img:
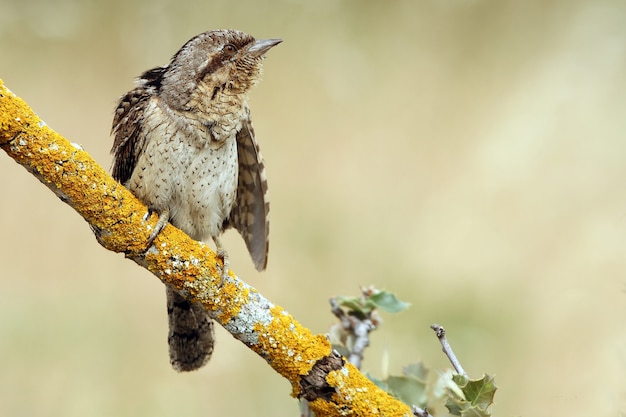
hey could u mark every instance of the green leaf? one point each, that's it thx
(356, 304)
(480, 392)
(454, 407)
(378, 382)
(383, 300)
(412, 388)
(477, 396)
(408, 390)
(417, 371)
(388, 301)
(475, 412)
(342, 350)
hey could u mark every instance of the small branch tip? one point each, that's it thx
(447, 349)
(419, 412)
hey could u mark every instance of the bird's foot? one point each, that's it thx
(223, 255)
(164, 218)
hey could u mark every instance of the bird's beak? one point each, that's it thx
(261, 46)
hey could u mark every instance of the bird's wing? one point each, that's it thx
(250, 214)
(129, 142)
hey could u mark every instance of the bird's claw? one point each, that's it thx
(223, 256)
(164, 218)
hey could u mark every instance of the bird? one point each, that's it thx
(185, 146)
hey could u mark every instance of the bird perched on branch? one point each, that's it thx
(185, 146)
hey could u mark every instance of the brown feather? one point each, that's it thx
(129, 139)
(250, 215)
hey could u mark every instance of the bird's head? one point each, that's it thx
(216, 62)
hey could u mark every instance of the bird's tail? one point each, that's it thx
(191, 336)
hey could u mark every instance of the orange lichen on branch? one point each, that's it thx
(191, 267)
(72, 175)
(291, 348)
(179, 258)
(362, 395)
(237, 295)
(14, 114)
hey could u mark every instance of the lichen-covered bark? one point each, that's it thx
(121, 224)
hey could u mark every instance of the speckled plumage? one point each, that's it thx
(185, 146)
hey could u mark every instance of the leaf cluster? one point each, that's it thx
(441, 393)
(372, 299)
(460, 395)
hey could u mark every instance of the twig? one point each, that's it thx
(420, 412)
(441, 335)
(358, 328)
(305, 410)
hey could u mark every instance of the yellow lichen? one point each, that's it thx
(69, 171)
(194, 269)
(365, 398)
(290, 348)
(230, 309)
(14, 113)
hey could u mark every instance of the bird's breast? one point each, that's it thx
(186, 171)
(207, 190)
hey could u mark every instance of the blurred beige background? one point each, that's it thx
(468, 155)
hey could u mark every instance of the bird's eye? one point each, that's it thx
(230, 48)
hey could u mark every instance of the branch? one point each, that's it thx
(420, 412)
(447, 349)
(122, 224)
(357, 329)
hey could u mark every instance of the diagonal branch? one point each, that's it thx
(121, 224)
